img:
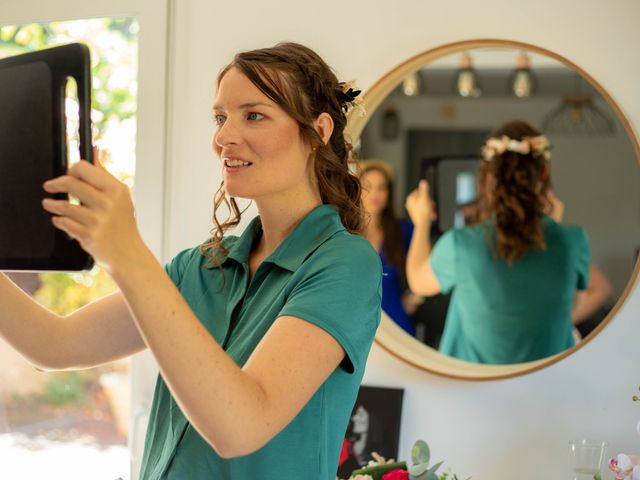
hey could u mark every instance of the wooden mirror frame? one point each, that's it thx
(390, 336)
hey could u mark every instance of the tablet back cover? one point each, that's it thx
(33, 149)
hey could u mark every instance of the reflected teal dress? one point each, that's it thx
(501, 314)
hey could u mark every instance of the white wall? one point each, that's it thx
(516, 428)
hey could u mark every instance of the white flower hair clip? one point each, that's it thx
(537, 146)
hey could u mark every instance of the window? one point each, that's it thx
(75, 423)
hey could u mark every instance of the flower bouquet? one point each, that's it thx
(381, 469)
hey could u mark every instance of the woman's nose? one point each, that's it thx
(227, 134)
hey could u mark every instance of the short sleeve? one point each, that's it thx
(176, 267)
(339, 290)
(443, 261)
(583, 258)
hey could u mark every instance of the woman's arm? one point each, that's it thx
(420, 275)
(588, 302)
(98, 333)
(237, 410)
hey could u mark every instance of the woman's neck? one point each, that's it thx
(280, 218)
(374, 224)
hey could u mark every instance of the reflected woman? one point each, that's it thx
(515, 275)
(390, 237)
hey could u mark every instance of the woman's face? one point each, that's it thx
(360, 420)
(259, 145)
(375, 191)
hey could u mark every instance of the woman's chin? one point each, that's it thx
(239, 193)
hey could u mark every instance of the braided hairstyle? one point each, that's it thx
(304, 86)
(513, 189)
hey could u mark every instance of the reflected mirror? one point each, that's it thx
(429, 119)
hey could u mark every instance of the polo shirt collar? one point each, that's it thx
(313, 230)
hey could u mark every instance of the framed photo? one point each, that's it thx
(374, 427)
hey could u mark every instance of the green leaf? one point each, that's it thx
(420, 452)
(433, 469)
(419, 469)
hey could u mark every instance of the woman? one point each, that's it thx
(390, 238)
(514, 276)
(260, 344)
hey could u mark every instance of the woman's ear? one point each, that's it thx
(324, 126)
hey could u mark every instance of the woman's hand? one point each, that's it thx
(104, 222)
(420, 206)
(557, 207)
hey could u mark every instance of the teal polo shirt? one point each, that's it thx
(320, 273)
(502, 313)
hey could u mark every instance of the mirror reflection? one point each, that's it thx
(525, 225)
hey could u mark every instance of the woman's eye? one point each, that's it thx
(218, 119)
(254, 116)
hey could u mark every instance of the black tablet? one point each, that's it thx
(33, 148)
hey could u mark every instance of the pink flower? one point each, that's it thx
(396, 475)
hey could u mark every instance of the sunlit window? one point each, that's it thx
(73, 425)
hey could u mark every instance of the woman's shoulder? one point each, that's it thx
(348, 249)
(567, 232)
(466, 234)
(202, 252)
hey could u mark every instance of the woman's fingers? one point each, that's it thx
(96, 156)
(419, 203)
(423, 187)
(77, 213)
(86, 193)
(95, 175)
(71, 228)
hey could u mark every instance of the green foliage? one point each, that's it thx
(420, 470)
(63, 293)
(449, 476)
(111, 42)
(420, 453)
(65, 388)
(377, 471)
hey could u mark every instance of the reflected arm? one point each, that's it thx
(420, 276)
(595, 296)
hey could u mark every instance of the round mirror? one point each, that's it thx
(429, 118)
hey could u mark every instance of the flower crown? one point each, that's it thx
(536, 146)
(348, 96)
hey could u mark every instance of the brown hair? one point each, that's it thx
(392, 246)
(512, 189)
(303, 85)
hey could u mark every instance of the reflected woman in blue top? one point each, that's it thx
(390, 237)
(515, 276)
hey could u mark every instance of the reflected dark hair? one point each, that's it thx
(299, 81)
(513, 190)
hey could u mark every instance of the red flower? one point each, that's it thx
(396, 475)
(345, 452)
